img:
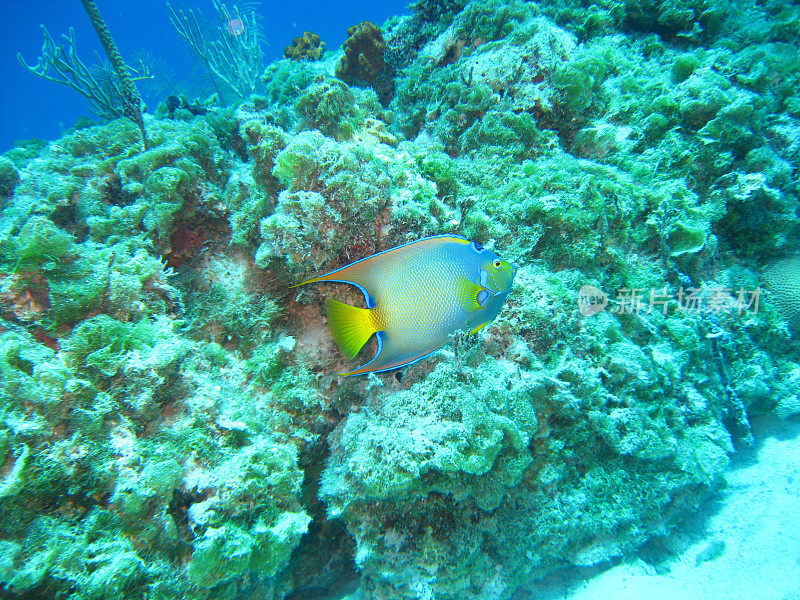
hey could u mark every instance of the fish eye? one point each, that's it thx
(497, 263)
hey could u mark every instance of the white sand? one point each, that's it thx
(757, 518)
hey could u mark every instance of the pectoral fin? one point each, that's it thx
(472, 295)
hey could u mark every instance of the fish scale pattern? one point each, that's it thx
(430, 309)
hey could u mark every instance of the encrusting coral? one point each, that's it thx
(171, 421)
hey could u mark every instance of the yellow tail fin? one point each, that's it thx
(351, 326)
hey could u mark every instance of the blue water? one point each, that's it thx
(35, 108)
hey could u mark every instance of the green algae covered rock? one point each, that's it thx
(325, 206)
(251, 494)
(464, 439)
(41, 243)
(166, 188)
(328, 107)
(98, 567)
(135, 495)
(684, 238)
(9, 177)
(227, 551)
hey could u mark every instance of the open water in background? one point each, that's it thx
(32, 107)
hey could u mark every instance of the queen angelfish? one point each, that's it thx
(417, 296)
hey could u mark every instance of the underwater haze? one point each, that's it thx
(459, 300)
(34, 108)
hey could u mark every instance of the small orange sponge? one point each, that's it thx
(308, 47)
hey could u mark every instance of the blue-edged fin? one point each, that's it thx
(350, 326)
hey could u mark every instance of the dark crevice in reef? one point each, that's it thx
(113, 193)
(44, 591)
(324, 562)
(178, 509)
(68, 219)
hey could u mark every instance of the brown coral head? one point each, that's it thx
(363, 54)
(308, 47)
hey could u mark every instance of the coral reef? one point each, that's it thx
(363, 54)
(305, 47)
(364, 61)
(171, 421)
